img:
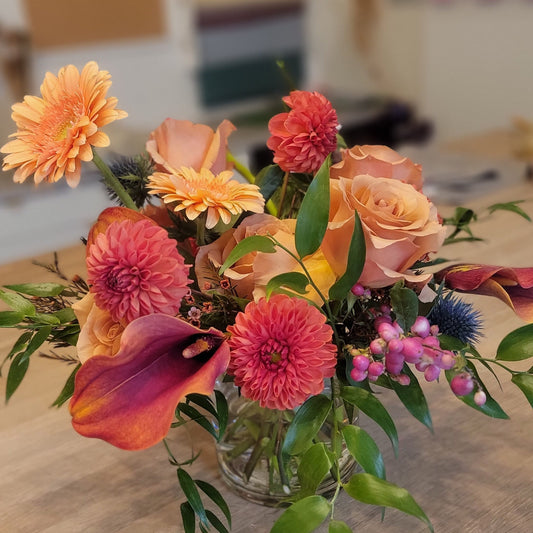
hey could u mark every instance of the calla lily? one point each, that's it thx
(129, 399)
(514, 286)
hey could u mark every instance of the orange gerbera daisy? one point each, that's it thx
(199, 192)
(56, 132)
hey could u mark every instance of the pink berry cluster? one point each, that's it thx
(420, 346)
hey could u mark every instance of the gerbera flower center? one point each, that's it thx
(59, 117)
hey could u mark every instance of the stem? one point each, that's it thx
(283, 192)
(334, 435)
(200, 230)
(113, 183)
(493, 361)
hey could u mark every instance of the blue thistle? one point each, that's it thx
(457, 318)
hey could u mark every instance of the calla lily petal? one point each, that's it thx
(514, 286)
(129, 399)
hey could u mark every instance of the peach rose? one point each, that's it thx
(252, 272)
(377, 161)
(180, 143)
(400, 224)
(100, 334)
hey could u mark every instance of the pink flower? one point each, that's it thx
(302, 138)
(134, 269)
(281, 351)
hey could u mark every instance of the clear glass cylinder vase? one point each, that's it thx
(249, 453)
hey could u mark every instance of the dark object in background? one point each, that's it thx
(394, 123)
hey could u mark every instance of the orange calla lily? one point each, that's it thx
(514, 286)
(129, 399)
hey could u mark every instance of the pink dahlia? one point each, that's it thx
(281, 351)
(134, 269)
(302, 138)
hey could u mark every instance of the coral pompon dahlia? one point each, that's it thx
(197, 192)
(281, 351)
(302, 138)
(56, 132)
(134, 269)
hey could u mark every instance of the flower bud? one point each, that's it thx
(421, 327)
(462, 384)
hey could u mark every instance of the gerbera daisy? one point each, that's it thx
(281, 351)
(56, 132)
(302, 138)
(199, 192)
(134, 269)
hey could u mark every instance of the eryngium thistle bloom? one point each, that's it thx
(457, 318)
(133, 173)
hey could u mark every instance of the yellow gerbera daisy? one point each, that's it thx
(197, 192)
(56, 132)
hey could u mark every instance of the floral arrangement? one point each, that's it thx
(296, 294)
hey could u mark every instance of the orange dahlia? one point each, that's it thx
(56, 132)
(199, 192)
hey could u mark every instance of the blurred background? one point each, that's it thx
(446, 82)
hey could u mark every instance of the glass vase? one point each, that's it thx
(249, 453)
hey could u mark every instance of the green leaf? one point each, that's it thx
(306, 424)
(217, 498)
(255, 243)
(38, 289)
(356, 262)
(20, 344)
(65, 315)
(8, 319)
(197, 417)
(192, 495)
(187, 517)
(510, 206)
(44, 318)
(365, 451)
(412, 396)
(525, 383)
(490, 408)
(269, 179)
(68, 389)
(304, 516)
(517, 345)
(17, 371)
(312, 220)
(313, 468)
(373, 408)
(37, 340)
(336, 526)
(215, 522)
(18, 303)
(404, 303)
(222, 410)
(367, 488)
(295, 281)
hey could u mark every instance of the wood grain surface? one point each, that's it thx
(473, 475)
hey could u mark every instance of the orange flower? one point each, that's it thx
(56, 132)
(197, 192)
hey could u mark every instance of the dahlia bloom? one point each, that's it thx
(134, 269)
(281, 351)
(302, 138)
(56, 132)
(198, 192)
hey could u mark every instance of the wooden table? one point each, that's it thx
(474, 474)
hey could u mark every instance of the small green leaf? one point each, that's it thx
(312, 220)
(524, 382)
(222, 411)
(373, 408)
(215, 522)
(18, 303)
(17, 371)
(20, 344)
(295, 281)
(68, 389)
(367, 488)
(510, 206)
(412, 396)
(197, 417)
(192, 495)
(356, 262)
(37, 340)
(304, 516)
(313, 468)
(336, 526)
(217, 498)
(305, 424)
(8, 319)
(404, 303)
(43, 318)
(202, 401)
(255, 243)
(269, 179)
(517, 345)
(65, 315)
(38, 289)
(187, 517)
(365, 451)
